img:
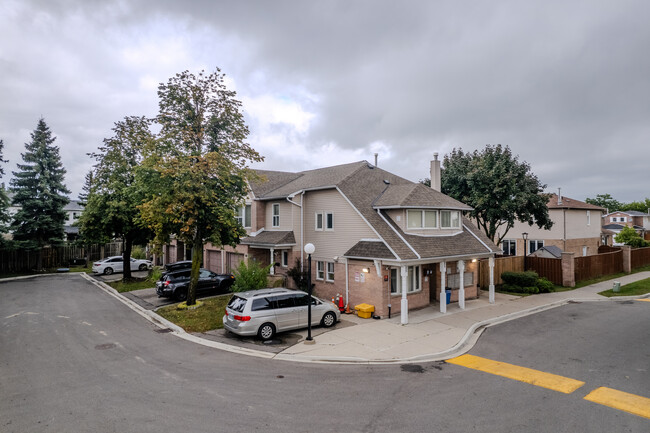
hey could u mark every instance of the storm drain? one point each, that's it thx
(163, 330)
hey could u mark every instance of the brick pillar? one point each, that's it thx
(568, 270)
(627, 259)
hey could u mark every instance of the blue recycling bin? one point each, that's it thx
(448, 293)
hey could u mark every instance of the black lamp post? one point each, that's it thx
(309, 249)
(525, 236)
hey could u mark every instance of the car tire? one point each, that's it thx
(108, 271)
(328, 320)
(180, 295)
(266, 331)
(142, 267)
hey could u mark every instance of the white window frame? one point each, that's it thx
(320, 270)
(510, 242)
(318, 225)
(329, 221)
(329, 276)
(414, 280)
(275, 218)
(539, 243)
(588, 218)
(422, 219)
(451, 219)
(244, 215)
(284, 258)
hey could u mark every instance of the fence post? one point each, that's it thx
(568, 270)
(627, 259)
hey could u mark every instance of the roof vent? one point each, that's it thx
(387, 182)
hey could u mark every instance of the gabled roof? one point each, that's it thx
(629, 212)
(571, 203)
(551, 249)
(370, 189)
(613, 227)
(416, 195)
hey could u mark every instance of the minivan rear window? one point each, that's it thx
(237, 304)
(261, 304)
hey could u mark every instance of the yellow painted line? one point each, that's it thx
(522, 374)
(644, 299)
(620, 400)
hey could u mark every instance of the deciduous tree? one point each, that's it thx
(40, 193)
(113, 195)
(499, 187)
(199, 167)
(605, 201)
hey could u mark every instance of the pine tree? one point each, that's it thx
(4, 200)
(86, 189)
(39, 192)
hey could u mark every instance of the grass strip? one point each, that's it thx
(206, 318)
(636, 288)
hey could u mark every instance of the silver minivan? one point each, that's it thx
(268, 311)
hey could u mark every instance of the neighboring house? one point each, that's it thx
(614, 222)
(379, 239)
(73, 210)
(576, 228)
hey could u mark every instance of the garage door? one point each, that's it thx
(214, 261)
(232, 261)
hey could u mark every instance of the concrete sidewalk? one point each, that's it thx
(431, 335)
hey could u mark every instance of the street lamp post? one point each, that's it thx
(524, 235)
(309, 249)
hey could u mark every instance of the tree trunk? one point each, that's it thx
(197, 259)
(126, 257)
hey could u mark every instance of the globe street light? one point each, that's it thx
(309, 249)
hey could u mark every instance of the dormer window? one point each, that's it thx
(418, 219)
(449, 219)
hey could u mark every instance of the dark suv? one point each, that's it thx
(176, 283)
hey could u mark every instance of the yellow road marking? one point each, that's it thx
(522, 374)
(620, 400)
(644, 299)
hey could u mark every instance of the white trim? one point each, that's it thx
(322, 225)
(366, 221)
(399, 235)
(479, 239)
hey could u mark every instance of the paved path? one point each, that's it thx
(429, 335)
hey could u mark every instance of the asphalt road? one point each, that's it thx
(74, 359)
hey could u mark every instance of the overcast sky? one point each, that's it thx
(565, 84)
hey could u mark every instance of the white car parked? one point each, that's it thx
(115, 264)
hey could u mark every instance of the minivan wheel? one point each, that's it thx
(180, 295)
(329, 319)
(266, 331)
(108, 271)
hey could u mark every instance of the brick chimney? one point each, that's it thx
(435, 172)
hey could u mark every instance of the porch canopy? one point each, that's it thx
(270, 240)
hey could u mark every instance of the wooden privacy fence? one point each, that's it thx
(20, 260)
(546, 267)
(589, 267)
(640, 257)
(501, 265)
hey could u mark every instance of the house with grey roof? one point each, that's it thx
(576, 229)
(379, 239)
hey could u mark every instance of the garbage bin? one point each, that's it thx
(448, 293)
(617, 286)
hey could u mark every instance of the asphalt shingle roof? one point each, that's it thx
(270, 238)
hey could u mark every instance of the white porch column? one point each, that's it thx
(405, 302)
(491, 280)
(272, 270)
(461, 279)
(443, 284)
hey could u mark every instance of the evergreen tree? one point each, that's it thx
(40, 193)
(86, 189)
(4, 201)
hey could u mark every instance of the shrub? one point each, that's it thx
(521, 279)
(299, 277)
(545, 286)
(138, 253)
(250, 277)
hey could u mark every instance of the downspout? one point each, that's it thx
(347, 283)
(564, 226)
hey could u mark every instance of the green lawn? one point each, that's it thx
(135, 284)
(633, 289)
(205, 318)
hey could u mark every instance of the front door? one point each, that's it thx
(433, 287)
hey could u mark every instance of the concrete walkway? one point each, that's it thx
(429, 335)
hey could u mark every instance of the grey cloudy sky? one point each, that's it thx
(565, 84)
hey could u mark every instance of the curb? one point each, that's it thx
(464, 345)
